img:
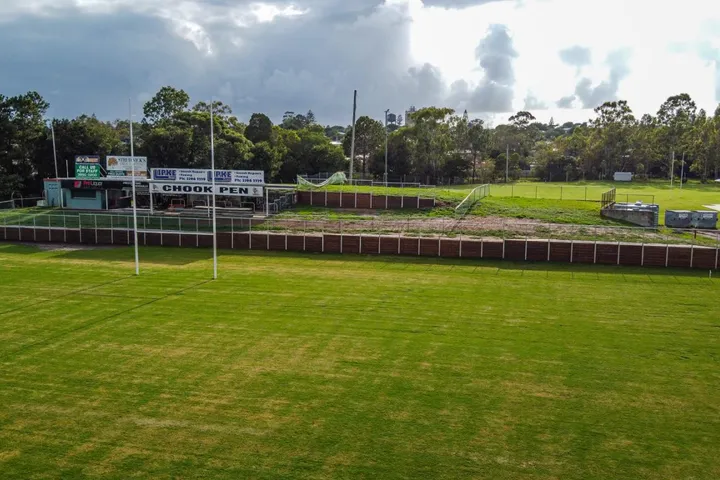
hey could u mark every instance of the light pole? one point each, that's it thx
(52, 132)
(352, 143)
(386, 147)
(507, 163)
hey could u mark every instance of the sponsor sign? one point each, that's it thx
(188, 175)
(87, 159)
(174, 188)
(118, 166)
(99, 184)
(87, 170)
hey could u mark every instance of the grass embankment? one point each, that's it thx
(324, 367)
(551, 211)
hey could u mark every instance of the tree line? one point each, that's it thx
(433, 143)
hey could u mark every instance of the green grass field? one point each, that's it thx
(552, 211)
(693, 196)
(326, 367)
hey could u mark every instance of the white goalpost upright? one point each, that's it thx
(212, 170)
(134, 200)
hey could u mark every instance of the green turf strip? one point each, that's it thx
(310, 366)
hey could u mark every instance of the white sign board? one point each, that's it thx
(176, 188)
(241, 177)
(118, 166)
(623, 177)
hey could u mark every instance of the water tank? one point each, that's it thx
(704, 219)
(678, 218)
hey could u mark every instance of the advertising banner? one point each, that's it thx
(87, 159)
(99, 184)
(87, 170)
(175, 188)
(241, 177)
(122, 166)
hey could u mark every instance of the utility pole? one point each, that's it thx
(352, 143)
(672, 170)
(52, 131)
(507, 163)
(682, 170)
(386, 148)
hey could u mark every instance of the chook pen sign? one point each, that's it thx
(241, 177)
(175, 188)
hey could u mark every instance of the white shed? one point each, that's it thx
(623, 177)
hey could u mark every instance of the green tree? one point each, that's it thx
(259, 129)
(612, 128)
(478, 142)
(675, 120)
(166, 103)
(432, 139)
(219, 108)
(369, 136)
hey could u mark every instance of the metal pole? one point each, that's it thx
(386, 150)
(212, 168)
(672, 170)
(134, 203)
(682, 170)
(52, 131)
(352, 143)
(507, 163)
(267, 200)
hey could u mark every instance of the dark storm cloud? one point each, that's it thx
(85, 66)
(93, 63)
(576, 56)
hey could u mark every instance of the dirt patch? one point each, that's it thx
(64, 247)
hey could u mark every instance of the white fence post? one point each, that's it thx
(549, 246)
(692, 253)
(595, 253)
(642, 256)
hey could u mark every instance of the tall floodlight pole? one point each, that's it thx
(682, 170)
(52, 132)
(212, 172)
(57, 175)
(386, 148)
(672, 170)
(134, 202)
(352, 142)
(507, 163)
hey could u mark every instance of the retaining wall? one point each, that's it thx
(362, 200)
(643, 219)
(561, 251)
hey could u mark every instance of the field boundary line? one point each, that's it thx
(92, 323)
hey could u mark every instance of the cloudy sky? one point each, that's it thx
(557, 58)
